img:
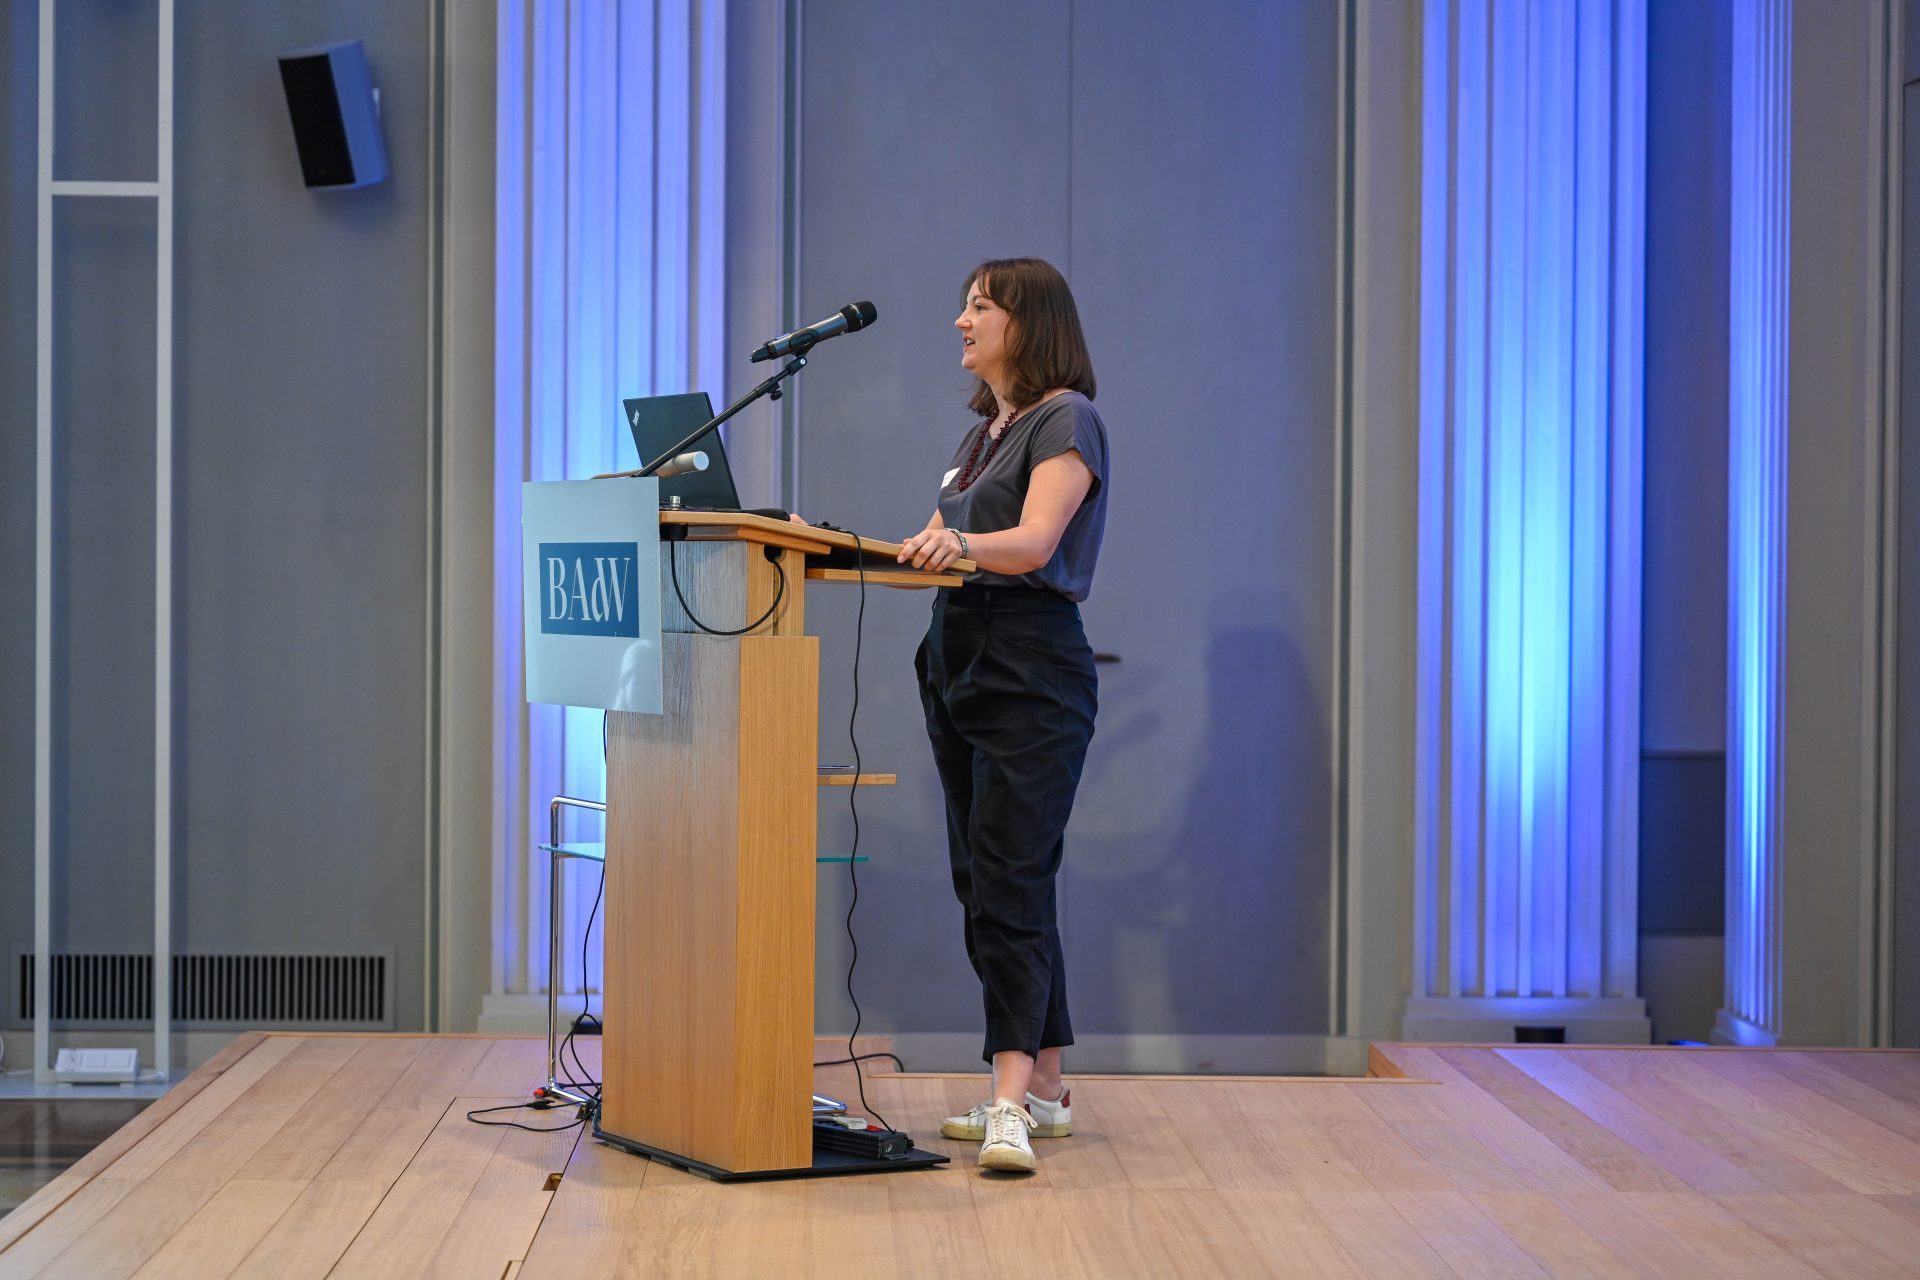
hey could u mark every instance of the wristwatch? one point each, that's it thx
(963, 544)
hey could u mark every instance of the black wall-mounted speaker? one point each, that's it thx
(336, 115)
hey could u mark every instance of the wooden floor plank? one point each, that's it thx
(1378, 1151)
(1728, 1247)
(1291, 1239)
(310, 1237)
(1785, 1130)
(497, 1223)
(936, 1226)
(1815, 1241)
(512, 1068)
(1086, 1161)
(1254, 1162)
(1892, 1160)
(1821, 1072)
(1594, 1145)
(164, 1141)
(1449, 1148)
(1155, 1154)
(1646, 1245)
(1664, 1088)
(1468, 1240)
(80, 1210)
(581, 1234)
(1506, 1163)
(1690, 1163)
(1011, 1217)
(1167, 1233)
(251, 1120)
(1895, 1074)
(1373, 1234)
(1549, 1236)
(769, 1223)
(849, 1237)
(381, 1145)
(218, 1238)
(1868, 1220)
(1293, 1133)
(1908, 1206)
(131, 1232)
(1542, 1164)
(419, 1210)
(301, 1147)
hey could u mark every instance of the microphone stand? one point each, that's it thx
(770, 388)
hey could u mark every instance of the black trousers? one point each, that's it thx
(1008, 686)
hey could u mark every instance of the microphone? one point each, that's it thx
(849, 319)
(681, 463)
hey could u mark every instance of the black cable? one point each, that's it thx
(853, 858)
(863, 1057)
(515, 1124)
(779, 594)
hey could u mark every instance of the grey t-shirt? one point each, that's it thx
(995, 498)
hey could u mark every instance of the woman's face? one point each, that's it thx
(983, 334)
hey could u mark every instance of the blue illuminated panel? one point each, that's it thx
(1532, 280)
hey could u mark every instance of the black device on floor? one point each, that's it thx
(873, 1143)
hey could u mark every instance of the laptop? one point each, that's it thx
(660, 422)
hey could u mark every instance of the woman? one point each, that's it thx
(1006, 676)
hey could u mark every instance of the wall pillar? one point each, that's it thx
(1810, 771)
(1526, 823)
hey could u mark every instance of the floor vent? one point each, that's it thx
(218, 992)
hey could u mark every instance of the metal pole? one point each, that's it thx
(163, 569)
(554, 1089)
(43, 577)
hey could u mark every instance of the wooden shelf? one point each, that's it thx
(888, 577)
(866, 779)
(810, 539)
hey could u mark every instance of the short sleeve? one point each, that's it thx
(1077, 426)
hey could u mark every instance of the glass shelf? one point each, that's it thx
(598, 853)
(591, 852)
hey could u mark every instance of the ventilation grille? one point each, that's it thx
(217, 992)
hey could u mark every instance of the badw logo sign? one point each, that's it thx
(587, 588)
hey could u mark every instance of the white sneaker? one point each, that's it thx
(1006, 1145)
(1050, 1119)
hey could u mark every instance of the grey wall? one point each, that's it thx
(1829, 841)
(301, 496)
(1179, 165)
(1906, 878)
(1684, 618)
(17, 48)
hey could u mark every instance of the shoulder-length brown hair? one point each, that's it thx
(1045, 347)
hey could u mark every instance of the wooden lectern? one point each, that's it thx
(708, 1048)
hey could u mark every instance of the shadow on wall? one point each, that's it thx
(1215, 923)
(1194, 898)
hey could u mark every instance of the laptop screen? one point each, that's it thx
(659, 423)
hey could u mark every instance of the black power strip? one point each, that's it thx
(872, 1143)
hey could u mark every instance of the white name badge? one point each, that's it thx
(947, 479)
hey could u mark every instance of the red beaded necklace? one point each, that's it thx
(968, 473)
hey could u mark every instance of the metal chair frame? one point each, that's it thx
(556, 854)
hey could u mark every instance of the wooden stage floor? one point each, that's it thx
(296, 1155)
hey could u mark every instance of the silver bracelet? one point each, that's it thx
(963, 544)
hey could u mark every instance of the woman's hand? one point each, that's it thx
(932, 549)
